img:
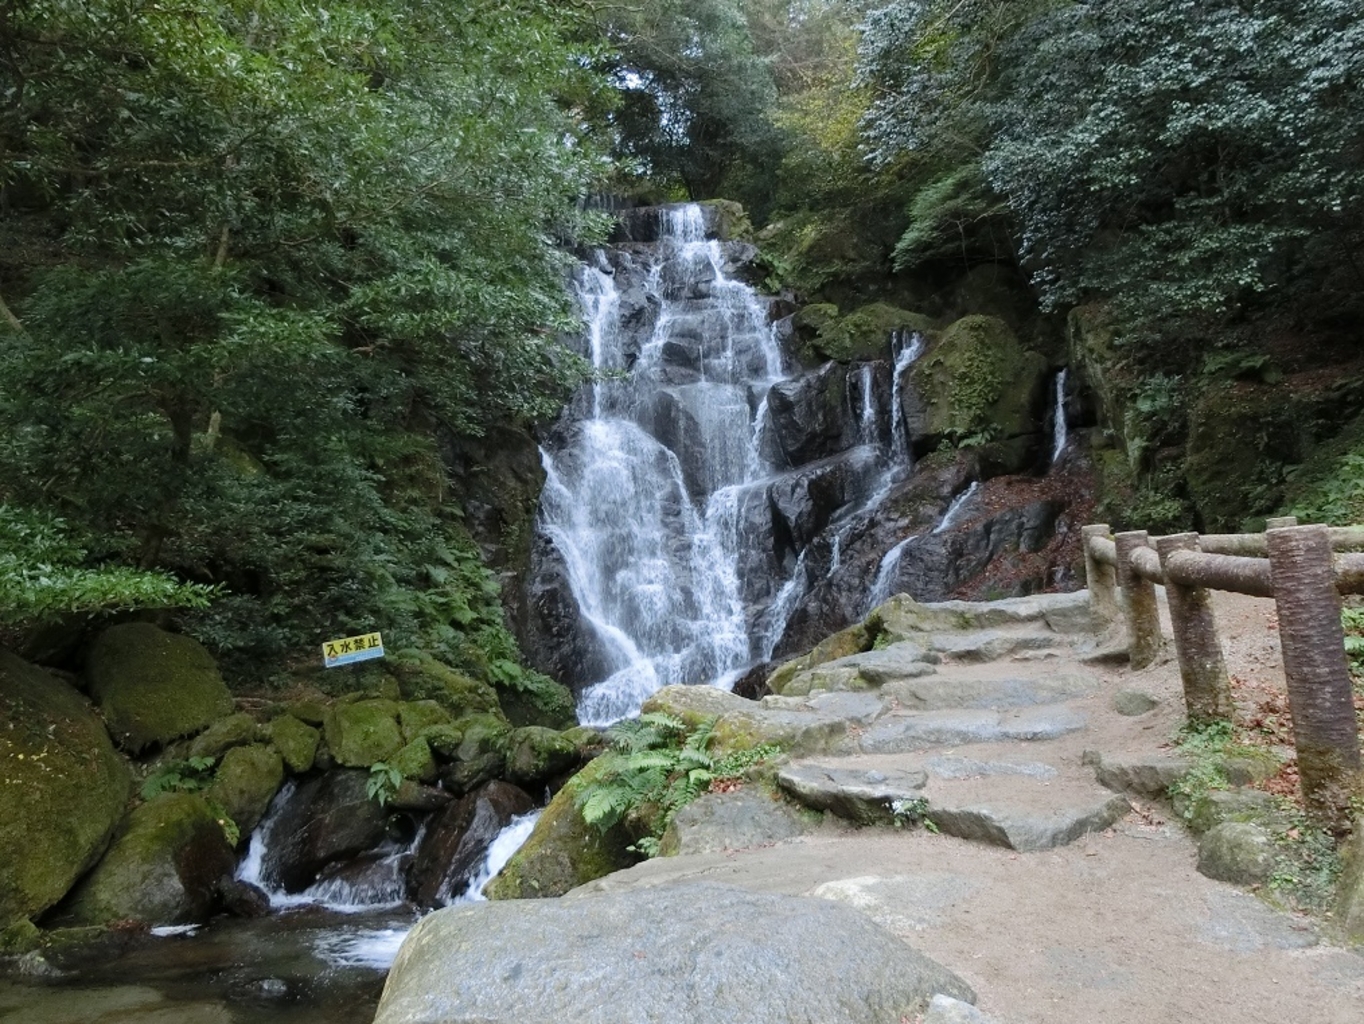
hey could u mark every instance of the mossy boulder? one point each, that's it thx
(853, 640)
(246, 781)
(536, 755)
(1241, 435)
(421, 678)
(63, 788)
(727, 220)
(444, 740)
(415, 761)
(295, 741)
(976, 382)
(163, 867)
(363, 732)
(542, 702)
(414, 717)
(482, 734)
(152, 686)
(564, 851)
(233, 731)
(863, 334)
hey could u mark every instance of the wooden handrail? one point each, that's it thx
(1305, 570)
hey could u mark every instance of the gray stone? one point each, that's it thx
(946, 1010)
(1014, 692)
(1132, 703)
(865, 671)
(902, 903)
(898, 733)
(1148, 776)
(1061, 613)
(686, 952)
(743, 724)
(739, 820)
(862, 708)
(1025, 827)
(864, 796)
(988, 644)
(1217, 806)
(969, 768)
(1236, 852)
(1243, 923)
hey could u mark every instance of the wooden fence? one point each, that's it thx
(1305, 570)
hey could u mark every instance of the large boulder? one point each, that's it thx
(808, 417)
(362, 733)
(743, 724)
(563, 851)
(536, 755)
(163, 867)
(976, 381)
(457, 839)
(246, 781)
(674, 953)
(63, 788)
(324, 820)
(295, 740)
(152, 686)
(863, 334)
(422, 678)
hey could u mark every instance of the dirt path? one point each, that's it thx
(1117, 927)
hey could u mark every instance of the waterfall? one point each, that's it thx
(907, 346)
(642, 495)
(956, 508)
(1059, 423)
(500, 850)
(886, 573)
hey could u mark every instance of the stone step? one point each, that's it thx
(1018, 804)
(899, 732)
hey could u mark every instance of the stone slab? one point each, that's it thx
(899, 733)
(866, 796)
(1035, 824)
(945, 691)
(742, 819)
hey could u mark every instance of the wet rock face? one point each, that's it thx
(457, 839)
(325, 820)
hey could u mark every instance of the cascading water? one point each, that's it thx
(957, 508)
(642, 501)
(1059, 435)
(886, 573)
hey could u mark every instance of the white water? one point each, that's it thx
(886, 573)
(957, 508)
(500, 850)
(349, 946)
(908, 346)
(649, 531)
(1059, 435)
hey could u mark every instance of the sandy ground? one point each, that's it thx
(1118, 927)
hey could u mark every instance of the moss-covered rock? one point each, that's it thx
(1350, 899)
(853, 640)
(63, 788)
(444, 740)
(415, 761)
(363, 732)
(544, 702)
(482, 734)
(162, 868)
(295, 741)
(415, 716)
(310, 710)
(152, 686)
(727, 220)
(1240, 437)
(976, 382)
(535, 755)
(233, 731)
(863, 334)
(564, 851)
(19, 937)
(246, 781)
(421, 677)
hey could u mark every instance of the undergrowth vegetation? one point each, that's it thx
(656, 765)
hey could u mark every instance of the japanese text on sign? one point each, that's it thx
(352, 649)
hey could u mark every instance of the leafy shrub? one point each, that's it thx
(188, 776)
(383, 782)
(655, 767)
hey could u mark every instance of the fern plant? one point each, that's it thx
(188, 776)
(655, 766)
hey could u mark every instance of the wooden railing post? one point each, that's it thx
(1207, 691)
(1280, 522)
(1319, 693)
(1139, 599)
(1102, 583)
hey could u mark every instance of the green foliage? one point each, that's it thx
(1308, 865)
(655, 767)
(1352, 622)
(383, 782)
(45, 574)
(187, 776)
(263, 268)
(1207, 746)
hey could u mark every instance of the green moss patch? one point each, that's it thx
(152, 686)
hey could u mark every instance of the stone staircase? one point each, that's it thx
(974, 720)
